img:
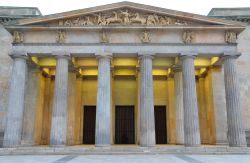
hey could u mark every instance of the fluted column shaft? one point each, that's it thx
(236, 131)
(103, 108)
(179, 105)
(147, 122)
(13, 129)
(60, 103)
(191, 119)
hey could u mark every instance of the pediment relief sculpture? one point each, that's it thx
(122, 17)
(187, 37)
(230, 37)
(61, 36)
(17, 37)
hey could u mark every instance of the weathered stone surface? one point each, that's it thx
(29, 115)
(5, 73)
(219, 105)
(236, 130)
(103, 101)
(191, 119)
(13, 129)
(178, 86)
(147, 125)
(60, 105)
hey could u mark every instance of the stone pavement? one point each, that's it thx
(126, 158)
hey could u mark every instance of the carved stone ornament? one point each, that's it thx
(104, 37)
(61, 36)
(230, 37)
(187, 37)
(145, 37)
(17, 37)
(121, 17)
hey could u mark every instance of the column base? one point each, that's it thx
(57, 146)
(103, 145)
(147, 145)
(26, 143)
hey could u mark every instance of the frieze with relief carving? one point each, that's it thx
(17, 37)
(61, 36)
(122, 17)
(230, 37)
(187, 37)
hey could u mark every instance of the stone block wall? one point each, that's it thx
(5, 72)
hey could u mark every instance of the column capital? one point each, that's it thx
(184, 55)
(61, 54)
(234, 55)
(18, 54)
(145, 55)
(100, 55)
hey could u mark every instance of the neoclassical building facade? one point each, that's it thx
(124, 73)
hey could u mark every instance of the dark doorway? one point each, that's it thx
(124, 125)
(89, 125)
(160, 125)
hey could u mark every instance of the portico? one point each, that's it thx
(83, 60)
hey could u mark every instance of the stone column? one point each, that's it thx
(13, 130)
(191, 119)
(147, 122)
(60, 103)
(217, 87)
(30, 103)
(179, 105)
(236, 131)
(103, 107)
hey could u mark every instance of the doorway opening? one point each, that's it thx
(89, 125)
(160, 124)
(124, 125)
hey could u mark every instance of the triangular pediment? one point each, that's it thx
(124, 13)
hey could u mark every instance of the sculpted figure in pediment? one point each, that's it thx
(101, 20)
(122, 17)
(151, 20)
(76, 21)
(156, 17)
(138, 19)
(126, 17)
(114, 19)
(68, 23)
(88, 21)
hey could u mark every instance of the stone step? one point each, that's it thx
(81, 150)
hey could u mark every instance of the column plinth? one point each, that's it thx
(236, 130)
(103, 107)
(60, 103)
(13, 130)
(191, 119)
(147, 122)
(179, 105)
